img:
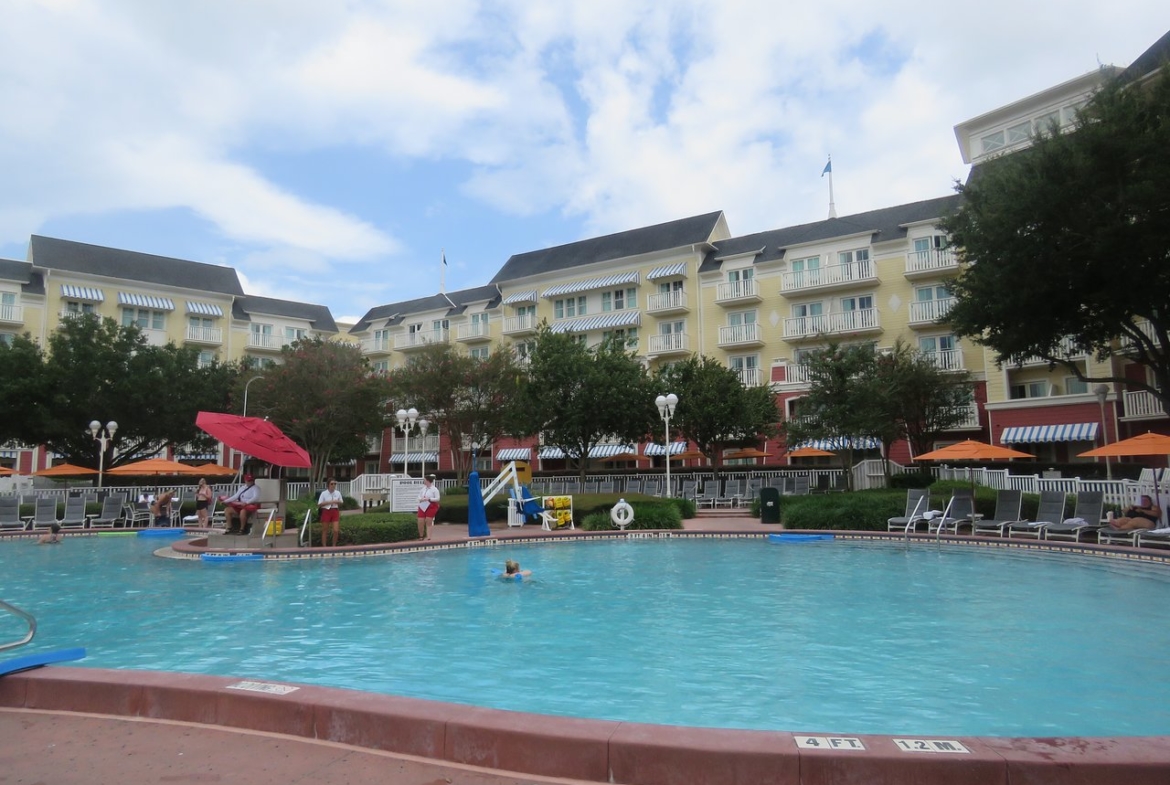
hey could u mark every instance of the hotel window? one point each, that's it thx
(381, 337)
(930, 344)
(735, 276)
(206, 358)
(747, 367)
(1028, 390)
(741, 318)
(992, 142)
(925, 294)
(294, 334)
(569, 307)
(381, 366)
(806, 272)
(261, 329)
(145, 318)
(438, 325)
(1019, 132)
(72, 306)
(666, 287)
(672, 328)
(619, 299)
(862, 303)
(6, 338)
(200, 323)
(480, 352)
(1043, 123)
(1075, 386)
(523, 350)
(629, 336)
(480, 321)
(854, 259)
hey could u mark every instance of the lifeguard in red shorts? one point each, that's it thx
(329, 503)
(241, 504)
(428, 507)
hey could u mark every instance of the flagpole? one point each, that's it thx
(832, 205)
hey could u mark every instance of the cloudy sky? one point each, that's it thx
(331, 150)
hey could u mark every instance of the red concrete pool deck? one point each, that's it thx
(79, 725)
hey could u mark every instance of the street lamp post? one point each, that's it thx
(246, 386)
(666, 404)
(1102, 391)
(422, 453)
(103, 436)
(407, 421)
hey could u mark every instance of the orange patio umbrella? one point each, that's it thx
(689, 455)
(622, 456)
(747, 452)
(159, 466)
(5, 471)
(810, 452)
(66, 470)
(216, 470)
(972, 450)
(1146, 444)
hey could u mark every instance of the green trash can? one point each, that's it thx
(769, 505)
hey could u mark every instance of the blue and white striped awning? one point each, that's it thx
(1035, 434)
(843, 442)
(414, 457)
(520, 297)
(605, 321)
(9, 453)
(204, 309)
(82, 293)
(598, 451)
(669, 271)
(146, 301)
(514, 454)
(590, 284)
(657, 449)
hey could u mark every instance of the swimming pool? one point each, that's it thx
(843, 637)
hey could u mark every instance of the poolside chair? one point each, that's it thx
(688, 489)
(753, 487)
(708, 496)
(45, 513)
(1152, 537)
(1051, 510)
(572, 487)
(959, 512)
(652, 488)
(113, 510)
(1008, 503)
(591, 486)
(800, 485)
(732, 494)
(606, 486)
(10, 514)
(74, 517)
(1086, 518)
(634, 485)
(917, 505)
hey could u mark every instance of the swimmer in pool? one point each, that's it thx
(512, 570)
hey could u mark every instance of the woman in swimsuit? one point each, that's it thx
(1144, 515)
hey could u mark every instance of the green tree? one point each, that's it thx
(324, 396)
(1070, 239)
(98, 369)
(844, 401)
(922, 402)
(578, 397)
(469, 399)
(715, 410)
(23, 391)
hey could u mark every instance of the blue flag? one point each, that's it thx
(828, 168)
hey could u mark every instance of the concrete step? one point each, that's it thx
(251, 541)
(724, 512)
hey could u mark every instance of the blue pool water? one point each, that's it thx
(831, 637)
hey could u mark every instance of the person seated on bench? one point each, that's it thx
(1143, 515)
(241, 504)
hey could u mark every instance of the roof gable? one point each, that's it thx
(318, 316)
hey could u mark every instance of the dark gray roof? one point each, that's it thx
(31, 282)
(885, 224)
(69, 256)
(673, 234)
(455, 303)
(1149, 60)
(317, 315)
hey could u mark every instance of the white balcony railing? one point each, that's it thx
(379, 345)
(970, 419)
(669, 344)
(739, 334)
(947, 359)
(749, 377)
(934, 260)
(524, 323)
(65, 313)
(930, 311)
(1141, 404)
(420, 339)
(12, 313)
(1066, 348)
(830, 275)
(272, 343)
(796, 374)
(667, 301)
(204, 334)
(737, 291)
(475, 331)
(830, 323)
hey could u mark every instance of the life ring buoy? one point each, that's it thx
(622, 514)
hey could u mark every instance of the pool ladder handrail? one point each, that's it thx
(912, 521)
(938, 531)
(305, 527)
(32, 626)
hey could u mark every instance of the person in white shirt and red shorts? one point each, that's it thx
(428, 507)
(329, 503)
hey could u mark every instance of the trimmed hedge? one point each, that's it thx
(659, 514)
(372, 529)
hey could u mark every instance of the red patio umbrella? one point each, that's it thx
(258, 438)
